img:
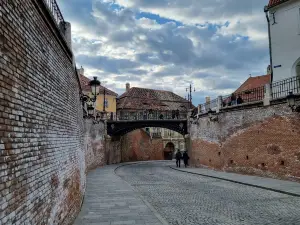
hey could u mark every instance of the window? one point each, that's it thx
(106, 103)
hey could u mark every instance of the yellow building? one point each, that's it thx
(109, 101)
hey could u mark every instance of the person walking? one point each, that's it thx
(185, 158)
(178, 158)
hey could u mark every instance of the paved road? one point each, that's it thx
(187, 199)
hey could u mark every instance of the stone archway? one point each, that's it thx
(169, 151)
(296, 73)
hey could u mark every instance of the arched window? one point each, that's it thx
(298, 69)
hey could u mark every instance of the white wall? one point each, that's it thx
(285, 39)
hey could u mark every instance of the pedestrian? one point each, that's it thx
(177, 114)
(239, 100)
(233, 99)
(173, 114)
(161, 117)
(178, 158)
(185, 158)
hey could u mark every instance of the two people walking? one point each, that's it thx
(185, 158)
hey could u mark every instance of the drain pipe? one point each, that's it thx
(266, 10)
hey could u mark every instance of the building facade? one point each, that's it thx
(106, 102)
(141, 103)
(284, 22)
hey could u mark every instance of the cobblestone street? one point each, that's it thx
(187, 199)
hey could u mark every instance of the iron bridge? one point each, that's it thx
(120, 128)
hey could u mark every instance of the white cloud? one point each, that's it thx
(214, 43)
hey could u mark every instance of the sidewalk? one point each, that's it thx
(281, 186)
(110, 201)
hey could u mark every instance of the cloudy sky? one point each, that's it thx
(168, 44)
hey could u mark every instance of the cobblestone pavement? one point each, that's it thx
(187, 199)
(109, 200)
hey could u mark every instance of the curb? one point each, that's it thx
(239, 182)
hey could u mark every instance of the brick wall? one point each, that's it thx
(259, 140)
(138, 146)
(42, 161)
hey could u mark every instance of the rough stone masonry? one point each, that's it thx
(42, 161)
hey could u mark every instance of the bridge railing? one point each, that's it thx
(152, 116)
(56, 13)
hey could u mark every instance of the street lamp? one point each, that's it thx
(95, 85)
(90, 110)
(190, 98)
(291, 99)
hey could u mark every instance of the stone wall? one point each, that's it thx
(42, 161)
(138, 146)
(94, 144)
(258, 140)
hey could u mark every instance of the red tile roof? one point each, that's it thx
(254, 82)
(142, 98)
(84, 82)
(273, 3)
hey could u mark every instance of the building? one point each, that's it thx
(284, 33)
(142, 103)
(105, 97)
(172, 141)
(254, 82)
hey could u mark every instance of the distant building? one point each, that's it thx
(254, 82)
(140, 103)
(110, 101)
(284, 23)
(172, 140)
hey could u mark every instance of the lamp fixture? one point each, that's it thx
(291, 100)
(95, 85)
(90, 110)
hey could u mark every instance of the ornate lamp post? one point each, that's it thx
(291, 99)
(95, 85)
(190, 98)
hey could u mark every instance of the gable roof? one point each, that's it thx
(254, 82)
(273, 3)
(84, 82)
(143, 99)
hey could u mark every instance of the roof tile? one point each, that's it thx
(142, 98)
(273, 3)
(254, 82)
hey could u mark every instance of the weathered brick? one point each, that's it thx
(259, 140)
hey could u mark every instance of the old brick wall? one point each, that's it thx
(112, 150)
(259, 140)
(42, 162)
(94, 144)
(138, 146)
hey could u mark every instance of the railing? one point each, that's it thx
(156, 135)
(281, 89)
(156, 115)
(55, 11)
(212, 105)
(248, 96)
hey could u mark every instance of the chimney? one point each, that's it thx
(207, 99)
(127, 87)
(80, 71)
